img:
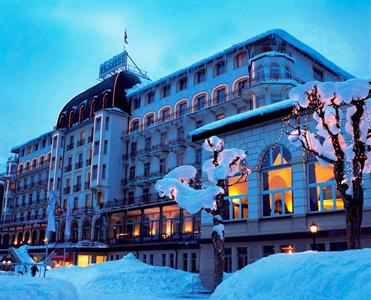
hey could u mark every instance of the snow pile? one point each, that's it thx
(28, 288)
(127, 276)
(306, 275)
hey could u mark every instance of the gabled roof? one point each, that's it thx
(278, 32)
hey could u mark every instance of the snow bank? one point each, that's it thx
(28, 288)
(306, 275)
(127, 276)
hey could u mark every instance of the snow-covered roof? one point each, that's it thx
(240, 120)
(16, 148)
(279, 32)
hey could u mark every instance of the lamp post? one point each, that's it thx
(314, 229)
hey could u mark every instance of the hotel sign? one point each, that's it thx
(113, 64)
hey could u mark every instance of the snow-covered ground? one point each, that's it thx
(128, 278)
(35, 288)
(307, 275)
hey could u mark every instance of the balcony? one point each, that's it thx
(80, 142)
(69, 147)
(67, 190)
(179, 142)
(161, 148)
(79, 165)
(68, 168)
(269, 78)
(77, 188)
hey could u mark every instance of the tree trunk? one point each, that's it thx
(218, 241)
(353, 213)
(218, 244)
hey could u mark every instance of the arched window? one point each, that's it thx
(74, 231)
(105, 100)
(165, 114)
(42, 239)
(42, 160)
(27, 237)
(70, 120)
(220, 95)
(27, 165)
(274, 71)
(277, 182)
(181, 108)
(20, 238)
(20, 168)
(34, 163)
(149, 120)
(92, 107)
(34, 237)
(81, 113)
(199, 102)
(62, 121)
(5, 241)
(98, 230)
(239, 87)
(86, 230)
(259, 73)
(134, 126)
(323, 195)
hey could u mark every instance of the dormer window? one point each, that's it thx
(200, 76)
(182, 84)
(136, 102)
(219, 68)
(165, 91)
(240, 60)
(150, 97)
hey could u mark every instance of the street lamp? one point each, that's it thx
(314, 229)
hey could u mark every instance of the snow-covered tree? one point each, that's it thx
(181, 185)
(343, 141)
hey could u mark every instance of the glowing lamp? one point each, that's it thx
(313, 228)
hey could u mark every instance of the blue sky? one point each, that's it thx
(51, 51)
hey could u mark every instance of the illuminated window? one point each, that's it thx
(277, 183)
(237, 197)
(83, 260)
(323, 195)
(100, 259)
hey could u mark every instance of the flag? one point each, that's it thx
(67, 230)
(126, 38)
(50, 212)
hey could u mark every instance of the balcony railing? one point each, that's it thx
(214, 101)
(78, 165)
(77, 188)
(80, 142)
(68, 168)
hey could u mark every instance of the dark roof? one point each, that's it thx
(115, 86)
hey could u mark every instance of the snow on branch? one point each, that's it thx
(328, 143)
